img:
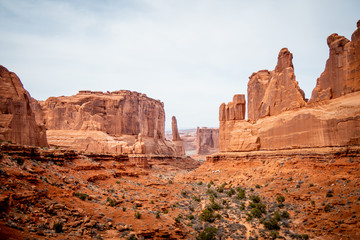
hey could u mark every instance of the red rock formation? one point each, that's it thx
(17, 120)
(292, 123)
(342, 70)
(116, 113)
(207, 140)
(175, 131)
(234, 110)
(270, 93)
(105, 122)
(177, 141)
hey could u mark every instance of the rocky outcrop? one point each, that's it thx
(234, 110)
(270, 93)
(342, 71)
(331, 119)
(107, 122)
(176, 140)
(207, 140)
(116, 113)
(334, 123)
(17, 120)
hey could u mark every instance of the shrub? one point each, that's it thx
(311, 185)
(207, 215)
(170, 181)
(197, 198)
(241, 194)
(82, 196)
(211, 193)
(111, 202)
(260, 206)
(184, 193)
(242, 206)
(132, 237)
(271, 224)
(165, 211)
(231, 192)
(178, 218)
(221, 188)
(137, 215)
(255, 198)
(280, 199)
(124, 209)
(328, 207)
(209, 233)
(200, 183)
(255, 212)
(214, 206)
(257, 186)
(191, 217)
(157, 215)
(58, 227)
(285, 215)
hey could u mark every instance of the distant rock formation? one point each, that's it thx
(207, 140)
(270, 93)
(177, 141)
(175, 131)
(17, 120)
(290, 121)
(342, 70)
(106, 122)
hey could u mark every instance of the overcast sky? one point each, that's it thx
(192, 55)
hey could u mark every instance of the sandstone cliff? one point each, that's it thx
(342, 70)
(270, 93)
(332, 118)
(104, 122)
(17, 120)
(207, 140)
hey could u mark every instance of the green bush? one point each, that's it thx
(191, 217)
(197, 198)
(242, 206)
(209, 233)
(111, 202)
(157, 215)
(82, 196)
(280, 199)
(255, 198)
(207, 215)
(257, 186)
(137, 215)
(200, 183)
(132, 237)
(255, 212)
(231, 192)
(271, 224)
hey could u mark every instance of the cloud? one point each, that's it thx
(192, 55)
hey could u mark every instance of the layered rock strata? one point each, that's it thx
(107, 122)
(17, 120)
(279, 117)
(207, 140)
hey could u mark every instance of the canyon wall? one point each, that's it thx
(107, 122)
(207, 140)
(279, 116)
(17, 120)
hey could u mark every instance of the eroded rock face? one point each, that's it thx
(234, 110)
(342, 70)
(17, 120)
(270, 93)
(292, 123)
(116, 113)
(207, 140)
(105, 122)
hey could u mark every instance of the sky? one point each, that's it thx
(192, 55)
